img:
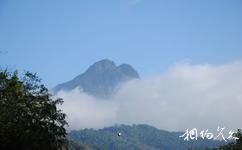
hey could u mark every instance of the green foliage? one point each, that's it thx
(138, 137)
(236, 145)
(29, 118)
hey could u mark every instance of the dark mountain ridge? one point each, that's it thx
(101, 79)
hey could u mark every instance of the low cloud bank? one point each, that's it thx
(186, 96)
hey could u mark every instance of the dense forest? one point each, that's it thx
(138, 137)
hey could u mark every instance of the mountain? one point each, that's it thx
(101, 79)
(138, 137)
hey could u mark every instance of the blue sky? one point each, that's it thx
(59, 39)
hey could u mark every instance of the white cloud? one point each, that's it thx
(85, 111)
(201, 96)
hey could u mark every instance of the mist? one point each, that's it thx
(202, 96)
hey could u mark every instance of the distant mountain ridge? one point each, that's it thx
(138, 137)
(101, 79)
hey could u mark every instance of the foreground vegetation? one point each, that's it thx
(236, 145)
(29, 118)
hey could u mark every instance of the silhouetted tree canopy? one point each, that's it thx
(29, 117)
(236, 145)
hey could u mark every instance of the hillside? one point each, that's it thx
(137, 137)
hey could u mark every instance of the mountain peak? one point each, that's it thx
(102, 65)
(101, 79)
(128, 70)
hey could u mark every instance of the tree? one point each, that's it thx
(29, 117)
(236, 145)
